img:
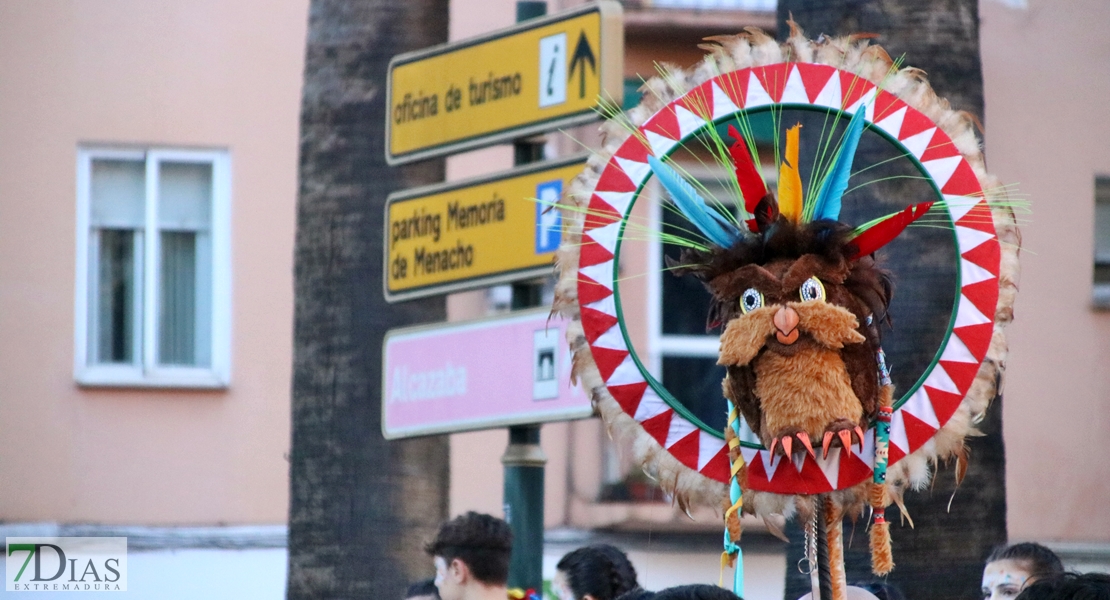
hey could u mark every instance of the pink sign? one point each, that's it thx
(508, 370)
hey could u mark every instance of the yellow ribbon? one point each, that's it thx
(737, 464)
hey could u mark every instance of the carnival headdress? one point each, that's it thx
(814, 424)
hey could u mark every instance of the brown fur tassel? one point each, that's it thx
(882, 559)
(834, 535)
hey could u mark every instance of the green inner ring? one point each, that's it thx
(665, 395)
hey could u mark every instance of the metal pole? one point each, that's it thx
(528, 151)
(824, 573)
(524, 470)
(524, 460)
(530, 9)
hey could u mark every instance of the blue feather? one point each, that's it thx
(827, 205)
(715, 227)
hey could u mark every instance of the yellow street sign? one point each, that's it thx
(538, 76)
(455, 236)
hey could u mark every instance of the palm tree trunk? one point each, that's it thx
(360, 507)
(942, 557)
(939, 36)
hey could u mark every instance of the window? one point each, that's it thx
(1102, 243)
(153, 268)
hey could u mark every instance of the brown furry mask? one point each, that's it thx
(800, 332)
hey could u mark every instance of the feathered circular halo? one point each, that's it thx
(751, 72)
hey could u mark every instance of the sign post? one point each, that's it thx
(524, 462)
(545, 73)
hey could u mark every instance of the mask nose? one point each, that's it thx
(786, 321)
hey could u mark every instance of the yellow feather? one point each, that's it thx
(790, 180)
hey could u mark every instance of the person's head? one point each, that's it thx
(1069, 586)
(596, 572)
(471, 550)
(423, 590)
(1011, 568)
(698, 591)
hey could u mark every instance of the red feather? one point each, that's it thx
(881, 233)
(747, 175)
(766, 212)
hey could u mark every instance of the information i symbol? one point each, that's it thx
(553, 70)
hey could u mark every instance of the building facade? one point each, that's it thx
(145, 351)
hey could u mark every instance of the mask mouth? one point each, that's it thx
(802, 343)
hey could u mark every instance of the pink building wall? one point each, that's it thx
(141, 73)
(1048, 131)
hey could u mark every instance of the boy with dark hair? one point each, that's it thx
(471, 554)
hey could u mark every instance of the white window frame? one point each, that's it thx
(148, 373)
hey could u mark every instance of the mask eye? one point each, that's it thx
(750, 300)
(812, 289)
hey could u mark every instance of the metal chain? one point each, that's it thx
(809, 561)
